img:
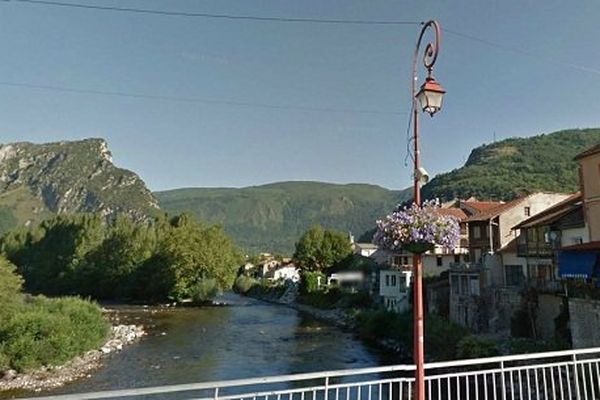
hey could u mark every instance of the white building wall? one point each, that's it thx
(393, 289)
(537, 203)
(573, 236)
(287, 273)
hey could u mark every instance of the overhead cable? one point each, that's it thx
(216, 16)
(197, 100)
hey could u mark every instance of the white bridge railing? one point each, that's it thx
(565, 375)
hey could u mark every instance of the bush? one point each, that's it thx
(267, 289)
(476, 347)
(204, 291)
(441, 336)
(360, 299)
(50, 332)
(244, 283)
(322, 299)
(309, 281)
(524, 345)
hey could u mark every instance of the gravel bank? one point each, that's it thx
(80, 367)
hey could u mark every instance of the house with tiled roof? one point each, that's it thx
(473, 206)
(542, 237)
(492, 229)
(492, 240)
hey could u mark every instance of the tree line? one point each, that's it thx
(168, 259)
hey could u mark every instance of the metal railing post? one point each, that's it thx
(216, 396)
(326, 388)
(576, 377)
(503, 380)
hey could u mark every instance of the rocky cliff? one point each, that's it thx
(38, 180)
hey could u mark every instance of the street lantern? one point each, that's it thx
(429, 100)
(430, 96)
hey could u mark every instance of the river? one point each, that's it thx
(248, 338)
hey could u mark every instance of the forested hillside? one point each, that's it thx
(506, 169)
(272, 217)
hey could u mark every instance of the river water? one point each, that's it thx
(248, 338)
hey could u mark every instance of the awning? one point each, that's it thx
(577, 264)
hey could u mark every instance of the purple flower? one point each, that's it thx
(417, 224)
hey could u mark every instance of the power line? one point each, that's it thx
(197, 100)
(216, 16)
(522, 52)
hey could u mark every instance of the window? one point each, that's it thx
(454, 284)
(476, 232)
(397, 260)
(393, 280)
(514, 275)
(527, 211)
(438, 261)
(405, 260)
(463, 229)
(474, 285)
(457, 258)
(464, 285)
(387, 280)
(484, 232)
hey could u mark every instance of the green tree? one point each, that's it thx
(10, 288)
(319, 249)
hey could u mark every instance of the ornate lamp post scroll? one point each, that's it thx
(428, 99)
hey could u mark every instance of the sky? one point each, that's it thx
(232, 103)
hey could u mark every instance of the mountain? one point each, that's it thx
(272, 217)
(39, 180)
(506, 169)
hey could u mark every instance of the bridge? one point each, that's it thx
(564, 375)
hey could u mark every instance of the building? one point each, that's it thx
(485, 291)
(589, 178)
(394, 284)
(364, 249)
(492, 229)
(541, 238)
(285, 272)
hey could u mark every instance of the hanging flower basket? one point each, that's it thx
(417, 229)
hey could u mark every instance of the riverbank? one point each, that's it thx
(345, 319)
(50, 377)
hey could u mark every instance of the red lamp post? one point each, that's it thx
(429, 100)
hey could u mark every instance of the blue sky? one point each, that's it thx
(535, 70)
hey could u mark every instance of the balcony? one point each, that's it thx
(466, 267)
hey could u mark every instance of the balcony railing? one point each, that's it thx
(466, 267)
(565, 375)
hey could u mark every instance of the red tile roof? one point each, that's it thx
(495, 211)
(453, 212)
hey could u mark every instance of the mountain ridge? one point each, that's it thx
(40, 180)
(271, 217)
